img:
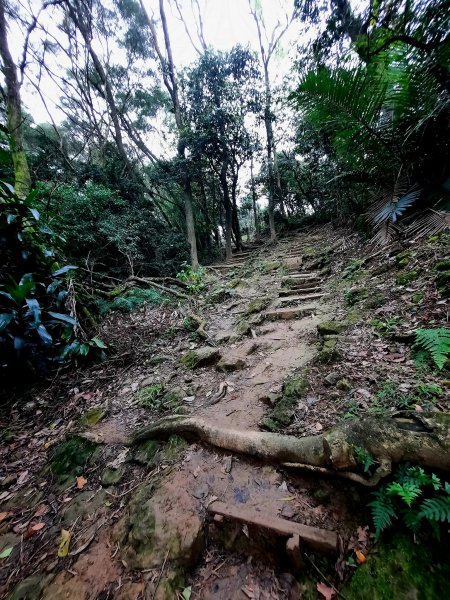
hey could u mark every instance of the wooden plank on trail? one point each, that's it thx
(319, 539)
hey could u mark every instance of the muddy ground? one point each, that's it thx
(297, 336)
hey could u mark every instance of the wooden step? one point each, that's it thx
(317, 539)
(302, 276)
(293, 312)
(301, 297)
(305, 288)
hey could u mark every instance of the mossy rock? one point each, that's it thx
(406, 277)
(93, 416)
(402, 569)
(329, 352)
(296, 387)
(159, 359)
(331, 328)
(69, 458)
(284, 409)
(28, 589)
(354, 295)
(443, 283)
(151, 452)
(270, 266)
(173, 399)
(281, 415)
(257, 305)
(243, 327)
(218, 295)
(200, 357)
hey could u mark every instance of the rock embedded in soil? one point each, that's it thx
(331, 379)
(162, 522)
(405, 278)
(230, 363)
(200, 357)
(330, 328)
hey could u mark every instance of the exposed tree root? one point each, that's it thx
(423, 439)
(149, 282)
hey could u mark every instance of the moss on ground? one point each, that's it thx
(69, 458)
(150, 395)
(284, 409)
(354, 295)
(402, 569)
(257, 305)
(406, 277)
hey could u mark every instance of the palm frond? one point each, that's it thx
(385, 234)
(429, 223)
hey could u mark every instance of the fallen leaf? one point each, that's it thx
(361, 559)
(6, 552)
(196, 471)
(418, 408)
(318, 427)
(81, 482)
(22, 477)
(4, 516)
(64, 542)
(41, 510)
(327, 592)
(38, 526)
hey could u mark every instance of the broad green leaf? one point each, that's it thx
(61, 317)
(186, 593)
(63, 270)
(5, 320)
(99, 343)
(6, 552)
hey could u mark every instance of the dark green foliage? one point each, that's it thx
(433, 343)
(413, 496)
(129, 301)
(34, 322)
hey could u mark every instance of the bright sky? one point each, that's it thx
(226, 23)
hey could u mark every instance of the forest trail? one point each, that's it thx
(141, 520)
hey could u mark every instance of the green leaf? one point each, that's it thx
(99, 343)
(64, 318)
(64, 270)
(44, 335)
(6, 552)
(5, 320)
(186, 593)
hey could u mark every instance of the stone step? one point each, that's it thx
(301, 297)
(293, 312)
(230, 265)
(304, 288)
(301, 278)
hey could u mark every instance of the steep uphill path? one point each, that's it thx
(140, 521)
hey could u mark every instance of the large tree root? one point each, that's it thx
(419, 438)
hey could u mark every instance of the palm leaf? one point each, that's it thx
(429, 223)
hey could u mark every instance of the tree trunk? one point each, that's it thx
(22, 178)
(236, 224)
(228, 209)
(419, 438)
(269, 148)
(255, 212)
(190, 224)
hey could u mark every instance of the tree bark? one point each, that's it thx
(255, 212)
(228, 209)
(419, 438)
(22, 178)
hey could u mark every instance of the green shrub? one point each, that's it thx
(35, 326)
(194, 279)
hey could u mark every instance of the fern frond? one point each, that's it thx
(435, 509)
(408, 492)
(383, 512)
(436, 342)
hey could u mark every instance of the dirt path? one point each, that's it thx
(139, 524)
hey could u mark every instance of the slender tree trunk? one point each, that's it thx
(236, 224)
(269, 147)
(22, 178)
(255, 212)
(228, 209)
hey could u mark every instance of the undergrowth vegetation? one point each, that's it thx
(413, 497)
